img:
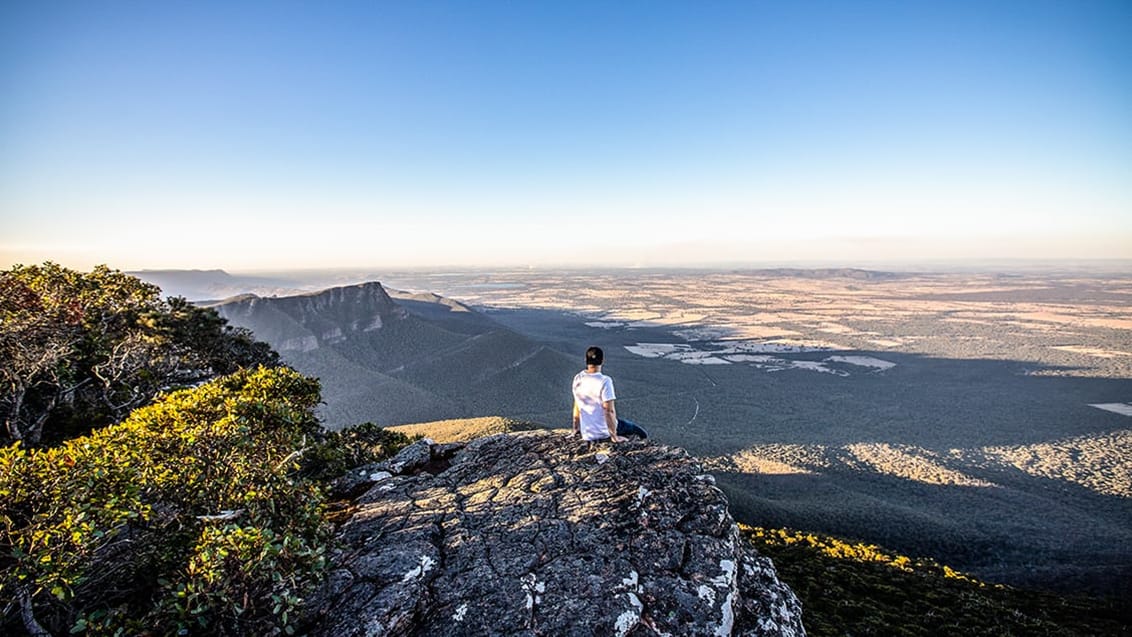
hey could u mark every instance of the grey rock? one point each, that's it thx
(409, 460)
(530, 534)
(358, 479)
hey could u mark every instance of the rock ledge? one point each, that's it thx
(534, 533)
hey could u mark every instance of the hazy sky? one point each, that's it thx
(276, 134)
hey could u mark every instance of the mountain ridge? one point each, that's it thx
(409, 359)
(202, 285)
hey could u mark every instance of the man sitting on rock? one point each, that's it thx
(595, 417)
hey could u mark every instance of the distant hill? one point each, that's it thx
(825, 273)
(412, 359)
(205, 285)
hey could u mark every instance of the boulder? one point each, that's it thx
(535, 533)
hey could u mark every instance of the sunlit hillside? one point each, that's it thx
(462, 430)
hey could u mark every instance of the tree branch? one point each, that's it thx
(27, 614)
(223, 516)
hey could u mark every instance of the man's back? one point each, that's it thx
(591, 391)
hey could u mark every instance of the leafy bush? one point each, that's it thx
(81, 350)
(189, 514)
(244, 579)
(340, 451)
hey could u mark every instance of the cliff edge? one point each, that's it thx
(534, 533)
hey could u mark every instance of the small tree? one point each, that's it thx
(41, 330)
(80, 350)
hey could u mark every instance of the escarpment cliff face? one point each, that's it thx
(407, 360)
(534, 533)
(308, 321)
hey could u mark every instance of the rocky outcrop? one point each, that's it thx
(308, 321)
(534, 533)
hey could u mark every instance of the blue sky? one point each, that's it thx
(306, 134)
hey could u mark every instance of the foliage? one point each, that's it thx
(189, 514)
(860, 589)
(340, 451)
(80, 350)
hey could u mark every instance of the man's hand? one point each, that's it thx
(616, 438)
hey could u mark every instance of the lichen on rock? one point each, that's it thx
(529, 534)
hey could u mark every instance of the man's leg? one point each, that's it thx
(630, 428)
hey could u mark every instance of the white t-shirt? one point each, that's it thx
(590, 391)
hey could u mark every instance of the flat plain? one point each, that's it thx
(979, 419)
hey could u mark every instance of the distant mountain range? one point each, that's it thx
(415, 358)
(214, 285)
(202, 285)
(825, 273)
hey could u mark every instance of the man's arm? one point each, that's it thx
(577, 419)
(611, 420)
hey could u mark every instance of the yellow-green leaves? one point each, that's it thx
(90, 528)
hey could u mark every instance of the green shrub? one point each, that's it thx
(188, 514)
(246, 579)
(340, 451)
